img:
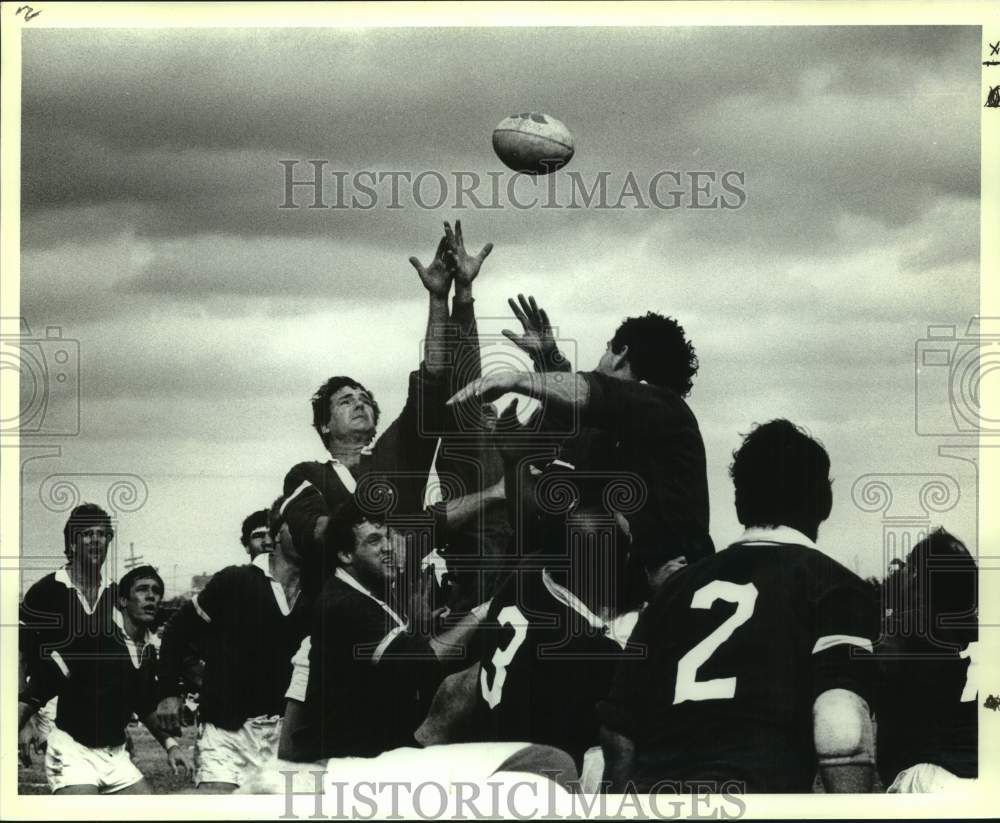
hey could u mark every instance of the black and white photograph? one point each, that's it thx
(466, 411)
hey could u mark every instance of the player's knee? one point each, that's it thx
(842, 728)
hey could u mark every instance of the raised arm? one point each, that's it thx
(437, 280)
(537, 339)
(561, 390)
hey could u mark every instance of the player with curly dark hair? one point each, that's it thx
(658, 351)
(630, 419)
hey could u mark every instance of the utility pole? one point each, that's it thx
(132, 560)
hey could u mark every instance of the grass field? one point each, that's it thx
(149, 758)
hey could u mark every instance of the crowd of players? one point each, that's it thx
(558, 608)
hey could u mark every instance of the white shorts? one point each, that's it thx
(45, 719)
(68, 763)
(926, 777)
(300, 672)
(227, 757)
(432, 777)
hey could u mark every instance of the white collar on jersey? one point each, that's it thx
(130, 644)
(351, 581)
(62, 576)
(777, 534)
(263, 562)
(618, 629)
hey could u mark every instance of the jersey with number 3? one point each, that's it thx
(543, 669)
(735, 649)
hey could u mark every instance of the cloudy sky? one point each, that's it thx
(206, 315)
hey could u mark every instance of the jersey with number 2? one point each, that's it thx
(736, 649)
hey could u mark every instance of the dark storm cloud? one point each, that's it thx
(192, 122)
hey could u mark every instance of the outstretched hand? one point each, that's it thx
(436, 277)
(489, 387)
(463, 266)
(537, 340)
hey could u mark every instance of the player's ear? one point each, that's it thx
(620, 357)
(345, 558)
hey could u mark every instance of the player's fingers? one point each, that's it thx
(417, 265)
(514, 338)
(484, 252)
(443, 246)
(536, 316)
(526, 308)
(460, 396)
(520, 315)
(458, 234)
(449, 235)
(545, 319)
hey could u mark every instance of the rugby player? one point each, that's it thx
(757, 663)
(346, 416)
(633, 420)
(249, 619)
(66, 611)
(98, 693)
(371, 671)
(928, 658)
(255, 535)
(556, 629)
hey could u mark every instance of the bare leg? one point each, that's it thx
(80, 789)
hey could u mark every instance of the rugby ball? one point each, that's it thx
(533, 143)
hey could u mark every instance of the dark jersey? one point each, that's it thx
(391, 476)
(99, 692)
(543, 667)
(53, 617)
(251, 639)
(650, 431)
(370, 680)
(735, 650)
(926, 706)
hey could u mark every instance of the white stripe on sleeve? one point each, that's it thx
(201, 612)
(302, 487)
(57, 659)
(386, 641)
